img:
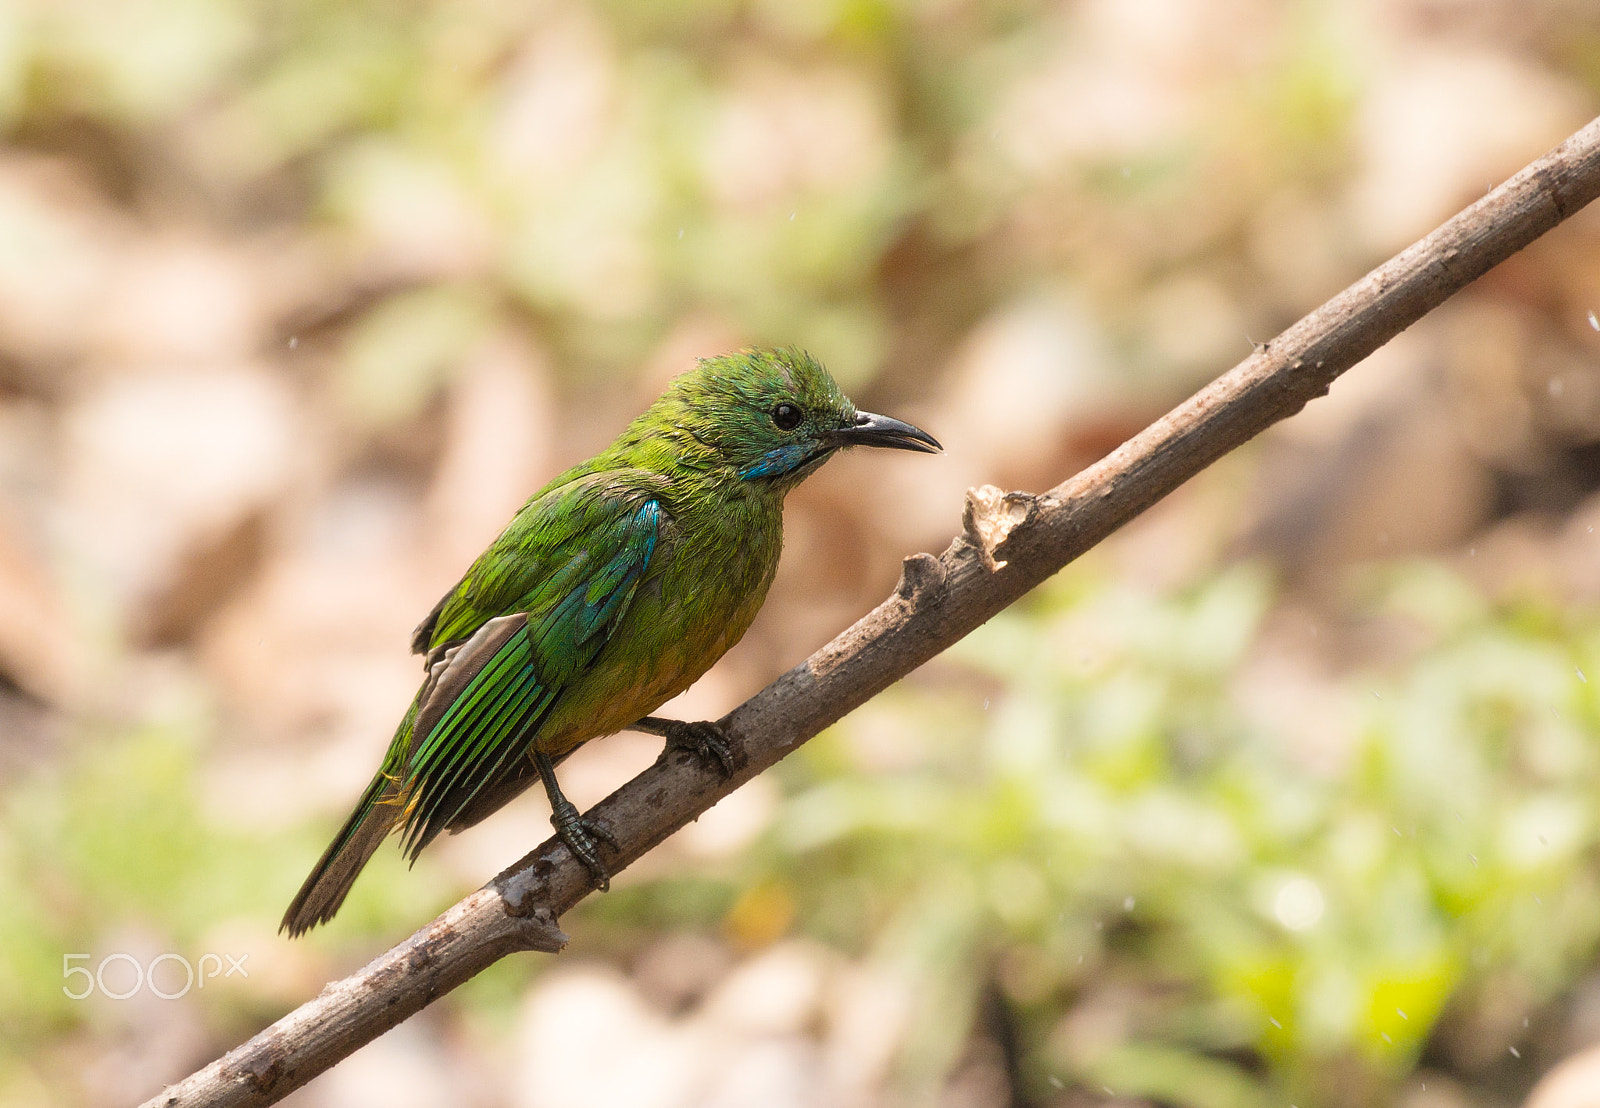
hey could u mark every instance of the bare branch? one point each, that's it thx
(1009, 544)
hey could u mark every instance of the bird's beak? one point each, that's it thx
(878, 430)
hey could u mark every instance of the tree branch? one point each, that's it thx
(1010, 542)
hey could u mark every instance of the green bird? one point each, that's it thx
(611, 591)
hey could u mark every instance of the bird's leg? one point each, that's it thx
(582, 835)
(702, 737)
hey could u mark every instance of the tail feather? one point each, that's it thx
(330, 880)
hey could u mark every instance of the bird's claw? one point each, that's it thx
(703, 738)
(583, 836)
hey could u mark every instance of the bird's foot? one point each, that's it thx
(703, 738)
(583, 837)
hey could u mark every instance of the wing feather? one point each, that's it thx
(492, 682)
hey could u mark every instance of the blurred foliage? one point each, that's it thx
(1180, 903)
(118, 853)
(603, 174)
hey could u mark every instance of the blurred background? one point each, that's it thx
(1286, 795)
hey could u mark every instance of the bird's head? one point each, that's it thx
(774, 416)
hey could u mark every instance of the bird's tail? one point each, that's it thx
(330, 880)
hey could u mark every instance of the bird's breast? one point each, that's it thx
(703, 589)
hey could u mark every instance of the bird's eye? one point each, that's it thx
(786, 416)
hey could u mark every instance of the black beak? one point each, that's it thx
(878, 430)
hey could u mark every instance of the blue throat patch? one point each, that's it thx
(782, 460)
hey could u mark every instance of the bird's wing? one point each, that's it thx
(564, 574)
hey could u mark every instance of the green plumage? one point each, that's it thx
(612, 590)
